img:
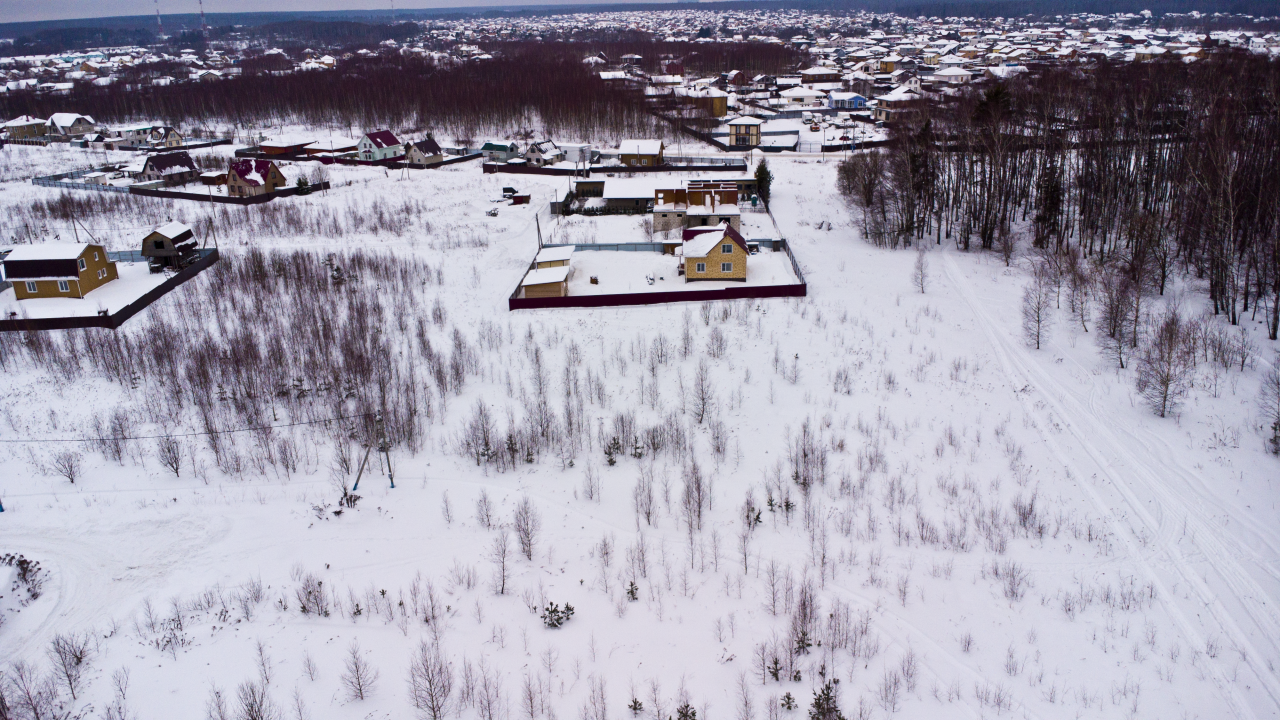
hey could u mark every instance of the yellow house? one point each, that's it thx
(644, 153)
(55, 270)
(719, 254)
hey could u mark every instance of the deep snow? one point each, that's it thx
(1149, 592)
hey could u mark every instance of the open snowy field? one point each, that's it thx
(868, 484)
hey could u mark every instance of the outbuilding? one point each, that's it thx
(546, 282)
(171, 245)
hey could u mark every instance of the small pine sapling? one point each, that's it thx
(636, 707)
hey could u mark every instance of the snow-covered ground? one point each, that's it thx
(135, 280)
(991, 531)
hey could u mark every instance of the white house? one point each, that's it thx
(379, 145)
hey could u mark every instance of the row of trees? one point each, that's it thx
(1146, 167)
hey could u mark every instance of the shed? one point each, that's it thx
(554, 257)
(546, 282)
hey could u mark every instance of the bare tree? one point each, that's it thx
(430, 681)
(642, 497)
(31, 695)
(254, 702)
(67, 464)
(484, 510)
(1037, 308)
(527, 523)
(169, 452)
(358, 676)
(1269, 401)
(920, 271)
(69, 654)
(1165, 364)
(704, 394)
(500, 554)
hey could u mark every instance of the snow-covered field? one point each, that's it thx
(868, 484)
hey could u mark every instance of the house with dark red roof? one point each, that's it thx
(380, 145)
(247, 177)
(174, 168)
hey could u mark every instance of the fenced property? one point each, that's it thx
(793, 289)
(158, 189)
(104, 319)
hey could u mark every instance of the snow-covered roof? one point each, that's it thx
(542, 276)
(48, 251)
(553, 254)
(173, 230)
(702, 244)
(746, 121)
(632, 188)
(640, 147)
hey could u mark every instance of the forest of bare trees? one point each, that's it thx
(526, 86)
(1118, 177)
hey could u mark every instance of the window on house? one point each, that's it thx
(726, 267)
(702, 267)
(95, 257)
(63, 286)
(81, 263)
(31, 287)
(157, 244)
(726, 249)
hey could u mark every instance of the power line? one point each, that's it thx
(189, 434)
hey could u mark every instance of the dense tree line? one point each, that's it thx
(1143, 169)
(521, 89)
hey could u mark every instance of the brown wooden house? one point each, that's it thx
(246, 178)
(172, 245)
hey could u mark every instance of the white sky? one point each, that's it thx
(29, 10)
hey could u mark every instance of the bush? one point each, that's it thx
(553, 616)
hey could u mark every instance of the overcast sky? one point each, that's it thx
(26, 10)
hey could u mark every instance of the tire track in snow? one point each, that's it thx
(1075, 419)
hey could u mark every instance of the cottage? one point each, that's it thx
(891, 106)
(802, 96)
(65, 126)
(423, 153)
(846, 101)
(643, 153)
(744, 132)
(696, 203)
(546, 282)
(53, 270)
(172, 245)
(25, 127)
(497, 151)
(247, 178)
(175, 168)
(380, 145)
(135, 135)
(164, 137)
(953, 76)
(543, 153)
(719, 254)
